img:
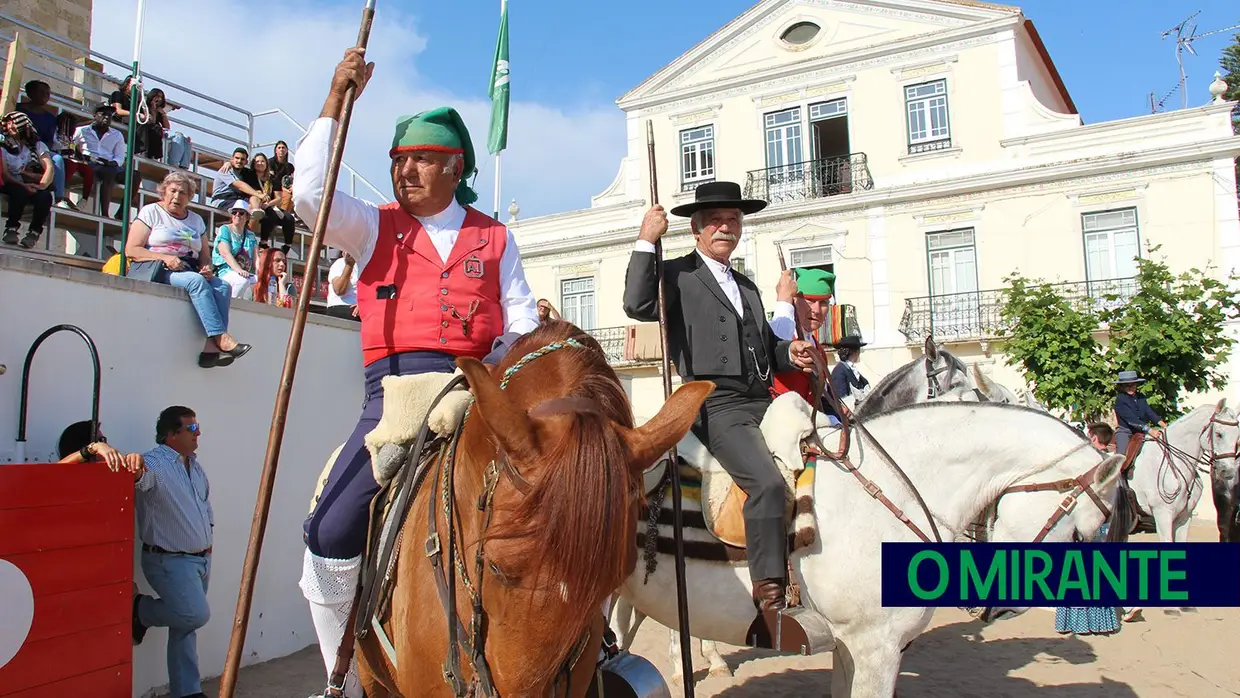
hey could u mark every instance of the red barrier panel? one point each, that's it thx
(66, 577)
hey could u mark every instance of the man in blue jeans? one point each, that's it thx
(175, 523)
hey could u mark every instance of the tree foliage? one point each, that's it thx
(1169, 328)
(1229, 62)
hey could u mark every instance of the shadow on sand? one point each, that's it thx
(948, 660)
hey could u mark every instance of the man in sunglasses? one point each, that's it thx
(175, 522)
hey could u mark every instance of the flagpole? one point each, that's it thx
(497, 159)
(498, 92)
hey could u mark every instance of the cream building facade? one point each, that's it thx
(921, 150)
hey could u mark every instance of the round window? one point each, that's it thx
(801, 33)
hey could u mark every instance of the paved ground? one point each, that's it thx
(1175, 652)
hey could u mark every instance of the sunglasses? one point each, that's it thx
(193, 428)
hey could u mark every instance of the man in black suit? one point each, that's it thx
(717, 331)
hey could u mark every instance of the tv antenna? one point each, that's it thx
(1185, 35)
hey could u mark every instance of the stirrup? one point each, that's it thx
(628, 676)
(795, 629)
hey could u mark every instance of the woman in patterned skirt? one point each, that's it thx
(1082, 620)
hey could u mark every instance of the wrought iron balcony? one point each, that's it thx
(629, 343)
(976, 315)
(814, 179)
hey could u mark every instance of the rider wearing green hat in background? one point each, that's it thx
(815, 290)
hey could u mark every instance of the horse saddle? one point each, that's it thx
(1131, 453)
(403, 456)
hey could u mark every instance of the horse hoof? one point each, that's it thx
(720, 672)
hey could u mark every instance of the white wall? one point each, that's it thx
(148, 340)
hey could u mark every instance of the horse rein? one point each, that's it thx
(1073, 486)
(1173, 456)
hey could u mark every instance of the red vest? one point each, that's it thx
(795, 382)
(408, 299)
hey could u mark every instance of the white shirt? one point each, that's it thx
(723, 275)
(354, 228)
(350, 294)
(109, 146)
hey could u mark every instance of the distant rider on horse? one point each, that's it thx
(815, 289)
(438, 280)
(1133, 414)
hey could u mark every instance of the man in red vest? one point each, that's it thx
(438, 280)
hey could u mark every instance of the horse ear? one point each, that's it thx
(932, 350)
(980, 379)
(651, 440)
(511, 426)
(1221, 404)
(1108, 469)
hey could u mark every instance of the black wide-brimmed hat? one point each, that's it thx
(850, 342)
(1129, 378)
(719, 195)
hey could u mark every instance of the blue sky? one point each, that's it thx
(570, 60)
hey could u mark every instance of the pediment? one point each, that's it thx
(752, 44)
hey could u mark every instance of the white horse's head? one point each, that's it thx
(1088, 499)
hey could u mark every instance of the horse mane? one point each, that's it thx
(885, 387)
(984, 405)
(577, 520)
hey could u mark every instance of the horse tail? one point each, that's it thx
(1123, 518)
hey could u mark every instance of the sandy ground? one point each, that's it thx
(1171, 652)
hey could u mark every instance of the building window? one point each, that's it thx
(697, 157)
(951, 257)
(817, 257)
(927, 117)
(783, 138)
(1111, 244)
(577, 301)
(800, 33)
(740, 267)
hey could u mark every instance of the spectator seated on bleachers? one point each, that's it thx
(165, 246)
(73, 163)
(281, 166)
(230, 185)
(28, 174)
(274, 286)
(37, 105)
(103, 148)
(236, 248)
(260, 177)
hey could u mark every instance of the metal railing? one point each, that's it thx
(613, 340)
(813, 179)
(354, 176)
(977, 315)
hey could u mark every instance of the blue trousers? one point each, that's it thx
(337, 527)
(210, 298)
(181, 582)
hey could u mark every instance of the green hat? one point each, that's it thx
(441, 130)
(815, 284)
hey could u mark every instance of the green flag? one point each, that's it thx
(498, 91)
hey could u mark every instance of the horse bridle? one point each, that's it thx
(471, 642)
(934, 390)
(1073, 487)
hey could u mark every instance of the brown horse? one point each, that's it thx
(545, 488)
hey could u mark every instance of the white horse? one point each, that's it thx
(1166, 474)
(961, 456)
(965, 388)
(935, 373)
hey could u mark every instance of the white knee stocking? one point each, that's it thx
(330, 585)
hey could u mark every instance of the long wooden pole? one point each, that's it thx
(275, 437)
(682, 593)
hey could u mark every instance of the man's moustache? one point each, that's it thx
(728, 237)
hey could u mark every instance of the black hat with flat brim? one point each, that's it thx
(852, 342)
(719, 195)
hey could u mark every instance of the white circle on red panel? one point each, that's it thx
(17, 611)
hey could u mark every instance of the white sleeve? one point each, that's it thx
(336, 269)
(783, 321)
(643, 246)
(354, 223)
(520, 308)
